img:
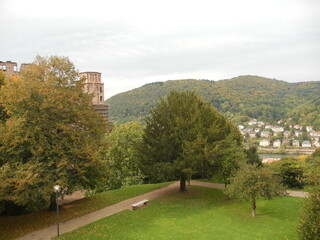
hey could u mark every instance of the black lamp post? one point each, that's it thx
(57, 190)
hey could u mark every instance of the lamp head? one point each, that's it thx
(56, 188)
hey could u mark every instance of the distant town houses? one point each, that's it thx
(252, 122)
(240, 127)
(297, 133)
(316, 143)
(297, 127)
(280, 135)
(309, 128)
(315, 135)
(277, 129)
(252, 134)
(286, 142)
(306, 144)
(270, 160)
(265, 134)
(295, 143)
(264, 142)
(277, 143)
(286, 134)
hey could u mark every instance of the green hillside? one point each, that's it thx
(307, 114)
(238, 98)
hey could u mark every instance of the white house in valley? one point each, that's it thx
(306, 144)
(264, 142)
(265, 134)
(277, 143)
(295, 143)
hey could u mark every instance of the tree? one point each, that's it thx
(253, 156)
(3, 115)
(122, 155)
(309, 222)
(252, 182)
(184, 135)
(291, 174)
(230, 156)
(52, 136)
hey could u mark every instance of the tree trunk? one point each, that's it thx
(253, 207)
(182, 184)
(53, 203)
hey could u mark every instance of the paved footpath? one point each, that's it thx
(75, 223)
(221, 186)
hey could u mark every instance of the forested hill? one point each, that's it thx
(307, 114)
(238, 98)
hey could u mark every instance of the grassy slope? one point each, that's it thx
(202, 213)
(15, 226)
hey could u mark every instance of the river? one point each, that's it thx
(277, 155)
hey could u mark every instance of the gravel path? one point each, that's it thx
(73, 224)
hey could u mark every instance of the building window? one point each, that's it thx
(100, 89)
(101, 99)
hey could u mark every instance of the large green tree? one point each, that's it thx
(252, 156)
(185, 135)
(122, 155)
(252, 182)
(52, 136)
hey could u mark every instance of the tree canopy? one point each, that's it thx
(309, 221)
(52, 134)
(122, 155)
(185, 135)
(252, 182)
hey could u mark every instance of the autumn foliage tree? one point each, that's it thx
(3, 115)
(52, 134)
(185, 135)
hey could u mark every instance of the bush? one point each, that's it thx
(291, 175)
(309, 225)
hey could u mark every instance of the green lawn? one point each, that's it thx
(15, 226)
(201, 213)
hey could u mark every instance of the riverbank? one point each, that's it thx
(300, 151)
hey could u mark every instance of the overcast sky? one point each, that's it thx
(136, 42)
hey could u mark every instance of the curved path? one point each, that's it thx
(221, 186)
(75, 223)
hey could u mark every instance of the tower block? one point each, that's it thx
(94, 85)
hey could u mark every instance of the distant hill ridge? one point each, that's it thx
(238, 98)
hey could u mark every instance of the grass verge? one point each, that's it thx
(16, 226)
(201, 213)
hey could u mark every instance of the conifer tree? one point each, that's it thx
(184, 135)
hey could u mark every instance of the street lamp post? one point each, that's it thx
(57, 190)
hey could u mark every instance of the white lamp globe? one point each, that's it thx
(57, 188)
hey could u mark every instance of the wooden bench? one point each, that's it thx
(140, 204)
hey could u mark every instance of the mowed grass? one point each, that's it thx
(16, 226)
(201, 213)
